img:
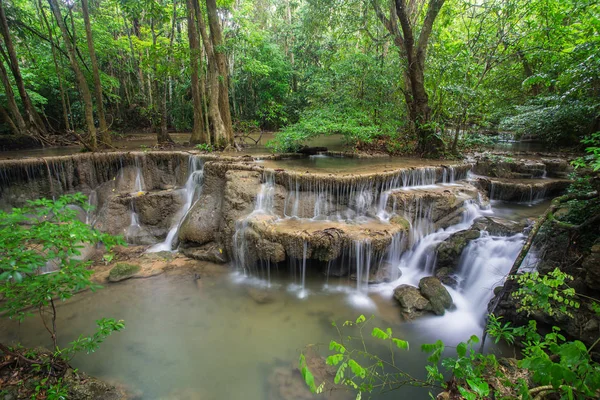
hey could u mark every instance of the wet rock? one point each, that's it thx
(270, 239)
(498, 226)
(591, 265)
(137, 234)
(413, 303)
(446, 276)
(499, 166)
(522, 190)
(450, 250)
(84, 387)
(241, 189)
(439, 205)
(158, 211)
(260, 296)
(209, 252)
(201, 224)
(123, 271)
(433, 290)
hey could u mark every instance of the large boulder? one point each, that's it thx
(450, 250)
(202, 221)
(413, 304)
(123, 271)
(156, 213)
(432, 289)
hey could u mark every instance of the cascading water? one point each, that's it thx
(139, 183)
(192, 189)
(266, 196)
(264, 205)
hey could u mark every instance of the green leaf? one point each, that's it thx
(379, 334)
(402, 344)
(357, 369)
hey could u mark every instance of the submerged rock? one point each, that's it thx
(432, 289)
(123, 271)
(286, 381)
(260, 296)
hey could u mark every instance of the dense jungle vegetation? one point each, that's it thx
(399, 76)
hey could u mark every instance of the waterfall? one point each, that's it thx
(343, 201)
(139, 183)
(363, 255)
(483, 265)
(266, 197)
(303, 291)
(192, 188)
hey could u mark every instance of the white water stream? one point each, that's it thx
(191, 190)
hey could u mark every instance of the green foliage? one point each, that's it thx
(592, 159)
(47, 233)
(355, 126)
(555, 124)
(205, 147)
(566, 366)
(548, 293)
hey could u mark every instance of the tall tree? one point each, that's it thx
(34, 124)
(104, 134)
(412, 45)
(198, 131)
(216, 36)
(92, 141)
(220, 135)
(16, 121)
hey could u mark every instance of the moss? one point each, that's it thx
(122, 271)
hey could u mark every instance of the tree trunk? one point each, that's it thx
(34, 122)
(8, 121)
(216, 37)
(56, 67)
(198, 131)
(163, 132)
(81, 82)
(17, 118)
(413, 53)
(217, 127)
(105, 138)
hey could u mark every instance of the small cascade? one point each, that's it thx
(303, 291)
(266, 197)
(419, 260)
(134, 226)
(320, 199)
(139, 184)
(449, 175)
(483, 266)
(363, 256)
(418, 214)
(192, 188)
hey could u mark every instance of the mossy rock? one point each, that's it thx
(123, 271)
